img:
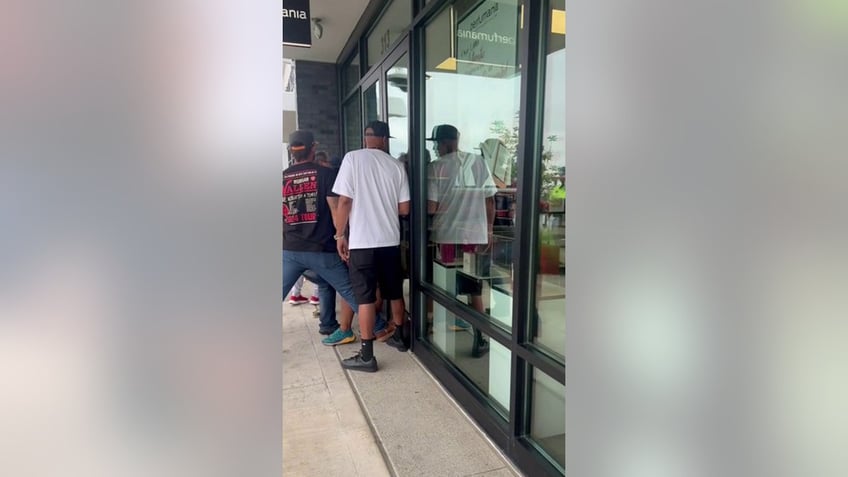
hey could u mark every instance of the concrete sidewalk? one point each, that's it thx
(325, 432)
(398, 421)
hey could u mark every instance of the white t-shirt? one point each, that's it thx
(460, 182)
(377, 183)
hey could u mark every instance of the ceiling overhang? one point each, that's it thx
(338, 19)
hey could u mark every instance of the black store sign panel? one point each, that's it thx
(297, 29)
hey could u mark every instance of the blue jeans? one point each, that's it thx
(327, 308)
(330, 268)
(327, 296)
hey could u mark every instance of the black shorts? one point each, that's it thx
(370, 266)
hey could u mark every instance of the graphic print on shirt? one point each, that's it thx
(301, 194)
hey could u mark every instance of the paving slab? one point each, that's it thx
(419, 427)
(396, 422)
(325, 432)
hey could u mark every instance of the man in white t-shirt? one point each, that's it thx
(373, 193)
(460, 200)
(460, 194)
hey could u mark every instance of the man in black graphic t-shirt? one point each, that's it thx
(308, 229)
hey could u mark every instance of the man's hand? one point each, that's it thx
(341, 246)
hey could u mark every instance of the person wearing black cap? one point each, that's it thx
(373, 192)
(460, 200)
(308, 226)
(326, 303)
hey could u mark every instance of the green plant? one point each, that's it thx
(509, 136)
(546, 236)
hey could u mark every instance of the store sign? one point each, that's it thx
(487, 39)
(297, 28)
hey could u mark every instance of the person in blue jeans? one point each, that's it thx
(308, 230)
(327, 313)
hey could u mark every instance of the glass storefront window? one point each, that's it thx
(353, 126)
(394, 22)
(397, 82)
(371, 97)
(547, 416)
(350, 73)
(397, 99)
(550, 280)
(472, 95)
(481, 359)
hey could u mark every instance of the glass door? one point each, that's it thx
(395, 74)
(397, 103)
(371, 99)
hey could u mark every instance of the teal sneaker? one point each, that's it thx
(459, 325)
(339, 337)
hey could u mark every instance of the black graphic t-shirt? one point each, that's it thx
(307, 220)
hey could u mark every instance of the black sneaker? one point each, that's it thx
(356, 363)
(397, 342)
(481, 346)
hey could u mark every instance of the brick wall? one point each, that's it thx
(318, 103)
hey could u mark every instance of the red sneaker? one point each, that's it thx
(298, 299)
(313, 300)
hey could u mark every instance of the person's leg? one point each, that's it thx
(296, 298)
(293, 268)
(327, 308)
(298, 287)
(316, 293)
(391, 286)
(382, 329)
(334, 272)
(378, 303)
(343, 333)
(398, 311)
(363, 270)
(367, 317)
(364, 281)
(480, 346)
(345, 316)
(340, 272)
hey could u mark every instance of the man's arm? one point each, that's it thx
(403, 208)
(342, 213)
(340, 219)
(490, 213)
(490, 221)
(333, 202)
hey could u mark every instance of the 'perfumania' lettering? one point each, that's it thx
(291, 13)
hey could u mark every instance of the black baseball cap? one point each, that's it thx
(300, 140)
(443, 131)
(380, 128)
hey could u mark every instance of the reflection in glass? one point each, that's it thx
(397, 81)
(472, 95)
(391, 25)
(371, 97)
(397, 85)
(351, 73)
(353, 128)
(550, 282)
(481, 359)
(547, 416)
